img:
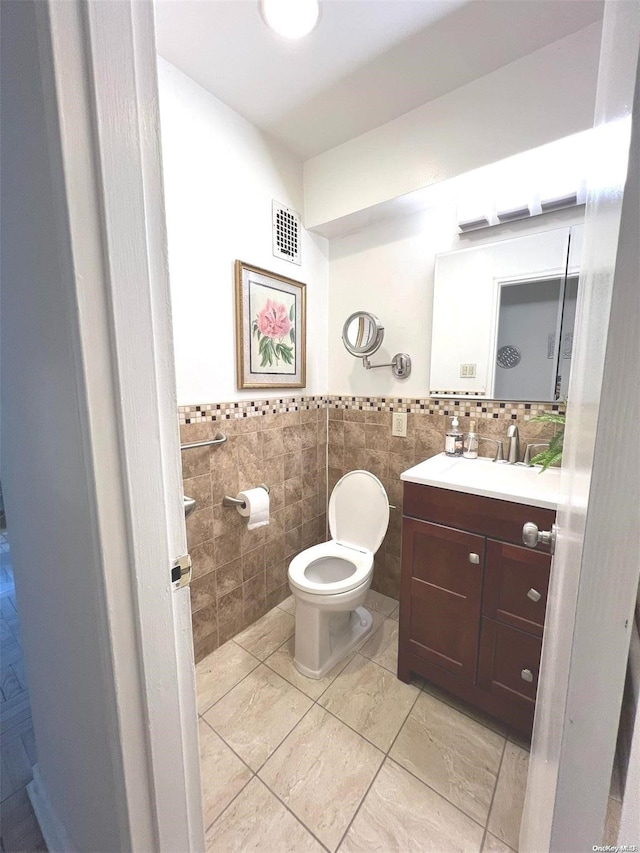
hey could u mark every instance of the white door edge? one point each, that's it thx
(106, 93)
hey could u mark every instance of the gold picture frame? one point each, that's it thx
(271, 329)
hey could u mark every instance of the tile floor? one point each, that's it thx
(19, 830)
(357, 761)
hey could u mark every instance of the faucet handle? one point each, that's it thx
(499, 457)
(527, 452)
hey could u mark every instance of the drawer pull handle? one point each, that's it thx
(534, 595)
(526, 675)
(474, 558)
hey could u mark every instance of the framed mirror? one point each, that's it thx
(362, 333)
(503, 317)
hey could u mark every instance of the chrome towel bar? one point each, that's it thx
(219, 439)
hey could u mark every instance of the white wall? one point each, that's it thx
(544, 96)
(388, 269)
(221, 175)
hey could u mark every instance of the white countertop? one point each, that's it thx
(515, 483)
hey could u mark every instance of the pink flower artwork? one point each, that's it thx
(273, 320)
(271, 326)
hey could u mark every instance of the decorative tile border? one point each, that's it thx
(205, 412)
(445, 406)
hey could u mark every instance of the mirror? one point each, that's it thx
(362, 333)
(503, 317)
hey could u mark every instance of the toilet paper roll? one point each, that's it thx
(256, 507)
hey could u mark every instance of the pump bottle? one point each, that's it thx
(453, 443)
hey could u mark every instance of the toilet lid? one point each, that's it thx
(359, 511)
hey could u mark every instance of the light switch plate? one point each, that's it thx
(399, 424)
(468, 371)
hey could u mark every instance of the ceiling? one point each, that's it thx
(366, 63)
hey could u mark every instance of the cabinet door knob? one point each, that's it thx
(534, 595)
(526, 675)
(474, 558)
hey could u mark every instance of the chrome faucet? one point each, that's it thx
(514, 444)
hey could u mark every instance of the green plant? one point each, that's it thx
(552, 454)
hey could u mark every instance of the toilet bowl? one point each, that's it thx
(330, 581)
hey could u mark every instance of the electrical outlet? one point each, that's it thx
(399, 424)
(468, 371)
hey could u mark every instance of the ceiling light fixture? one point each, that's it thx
(292, 19)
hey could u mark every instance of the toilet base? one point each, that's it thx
(325, 638)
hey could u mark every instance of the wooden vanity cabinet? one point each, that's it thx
(473, 599)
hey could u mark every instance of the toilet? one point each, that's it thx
(330, 581)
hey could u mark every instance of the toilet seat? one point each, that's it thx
(358, 520)
(361, 563)
(359, 511)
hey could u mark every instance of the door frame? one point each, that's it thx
(98, 68)
(98, 59)
(594, 579)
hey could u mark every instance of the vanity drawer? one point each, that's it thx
(487, 516)
(515, 586)
(507, 659)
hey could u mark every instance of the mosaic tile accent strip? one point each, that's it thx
(468, 408)
(211, 412)
(208, 412)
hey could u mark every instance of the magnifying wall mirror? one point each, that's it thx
(362, 335)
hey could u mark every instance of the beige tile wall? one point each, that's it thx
(362, 439)
(238, 575)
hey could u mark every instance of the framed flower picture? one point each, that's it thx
(270, 329)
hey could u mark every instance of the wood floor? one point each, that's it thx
(19, 830)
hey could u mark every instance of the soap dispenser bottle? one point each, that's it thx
(453, 443)
(471, 442)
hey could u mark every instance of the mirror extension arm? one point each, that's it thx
(401, 365)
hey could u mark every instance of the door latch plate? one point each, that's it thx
(181, 572)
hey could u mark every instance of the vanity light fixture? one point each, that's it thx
(292, 19)
(518, 211)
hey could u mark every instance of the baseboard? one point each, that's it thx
(53, 832)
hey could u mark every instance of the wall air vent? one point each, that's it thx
(286, 233)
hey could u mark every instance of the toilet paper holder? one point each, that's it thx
(229, 501)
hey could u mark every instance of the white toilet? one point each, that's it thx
(330, 581)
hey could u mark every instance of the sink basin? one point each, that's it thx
(515, 483)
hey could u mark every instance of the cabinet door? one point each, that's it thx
(509, 662)
(515, 586)
(442, 583)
